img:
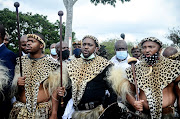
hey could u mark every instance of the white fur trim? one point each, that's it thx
(3, 77)
(14, 87)
(54, 79)
(120, 84)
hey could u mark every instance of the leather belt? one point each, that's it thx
(88, 106)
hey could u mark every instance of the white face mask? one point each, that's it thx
(121, 55)
(93, 55)
(53, 51)
(90, 57)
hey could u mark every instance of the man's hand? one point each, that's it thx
(138, 105)
(60, 91)
(21, 81)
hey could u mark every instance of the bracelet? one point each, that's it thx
(54, 98)
(65, 93)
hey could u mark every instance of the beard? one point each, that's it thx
(152, 59)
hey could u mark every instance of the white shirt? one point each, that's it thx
(23, 54)
(52, 58)
(1, 44)
(120, 64)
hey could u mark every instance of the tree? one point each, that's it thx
(109, 46)
(104, 2)
(69, 9)
(30, 24)
(174, 36)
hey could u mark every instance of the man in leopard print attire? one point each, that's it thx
(172, 53)
(31, 89)
(87, 75)
(156, 78)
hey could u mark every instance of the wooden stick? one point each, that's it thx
(60, 13)
(135, 81)
(16, 4)
(133, 61)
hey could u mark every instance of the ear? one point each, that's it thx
(97, 48)
(41, 46)
(160, 50)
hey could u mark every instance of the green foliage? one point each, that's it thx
(130, 46)
(30, 24)
(104, 2)
(165, 45)
(47, 51)
(174, 36)
(109, 46)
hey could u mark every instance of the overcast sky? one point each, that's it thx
(137, 19)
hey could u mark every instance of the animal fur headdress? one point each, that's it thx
(93, 38)
(37, 38)
(153, 39)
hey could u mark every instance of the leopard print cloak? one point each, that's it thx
(175, 56)
(163, 73)
(82, 71)
(36, 72)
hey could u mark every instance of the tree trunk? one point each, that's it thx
(68, 30)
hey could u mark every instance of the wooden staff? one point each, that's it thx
(16, 4)
(133, 61)
(60, 13)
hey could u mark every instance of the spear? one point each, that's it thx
(60, 13)
(16, 4)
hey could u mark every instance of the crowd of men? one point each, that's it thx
(30, 87)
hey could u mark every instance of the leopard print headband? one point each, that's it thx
(153, 39)
(37, 38)
(93, 38)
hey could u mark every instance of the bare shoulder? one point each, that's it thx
(132, 86)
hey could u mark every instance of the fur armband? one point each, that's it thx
(120, 84)
(3, 77)
(14, 87)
